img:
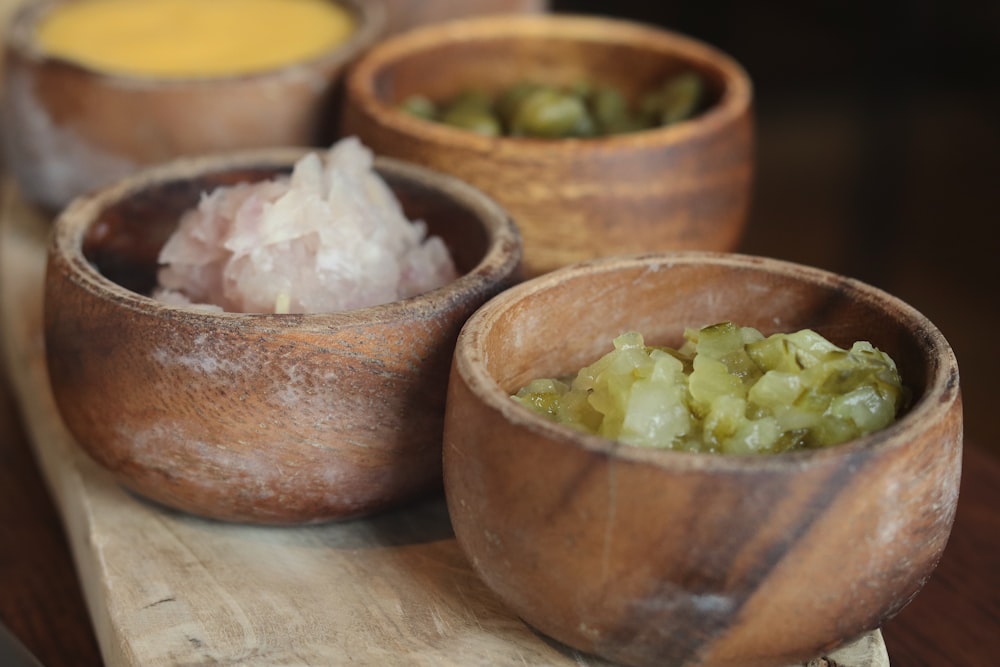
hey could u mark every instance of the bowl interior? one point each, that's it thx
(556, 324)
(560, 51)
(125, 238)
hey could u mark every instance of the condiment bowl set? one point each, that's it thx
(640, 556)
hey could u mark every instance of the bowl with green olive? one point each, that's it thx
(655, 555)
(607, 136)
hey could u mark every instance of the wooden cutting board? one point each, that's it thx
(169, 589)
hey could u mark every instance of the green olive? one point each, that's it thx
(582, 109)
(548, 113)
(677, 99)
(510, 99)
(419, 106)
(610, 110)
(472, 97)
(473, 118)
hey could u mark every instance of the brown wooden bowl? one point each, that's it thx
(70, 129)
(682, 187)
(403, 15)
(251, 417)
(653, 557)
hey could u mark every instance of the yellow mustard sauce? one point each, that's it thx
(192, 38)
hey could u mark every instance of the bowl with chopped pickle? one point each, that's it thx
(265, 336)
(95, 90)
(698, 458)
(600, 136)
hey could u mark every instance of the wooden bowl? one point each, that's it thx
(70, 129)
(403, 15)
(682, 187)
(653, 557)
(259, 418)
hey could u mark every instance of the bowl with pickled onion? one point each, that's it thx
(209, 343)
(697, 546)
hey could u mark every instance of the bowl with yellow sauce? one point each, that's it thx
(94, 90)
(666, 553)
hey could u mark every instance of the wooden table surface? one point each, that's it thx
(953, 621)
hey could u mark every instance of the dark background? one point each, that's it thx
(878, 133)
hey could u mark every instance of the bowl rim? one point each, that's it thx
(942, 390)
(735, 103)
(19, 38)
(499, 263)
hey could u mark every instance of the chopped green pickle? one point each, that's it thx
(583, 109)
(727, 389)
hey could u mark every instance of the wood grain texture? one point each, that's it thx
(403, 15)
(165, 588)
(686, 186)
(41, 594)
(70, 130)
(260, 418)
(642, 555)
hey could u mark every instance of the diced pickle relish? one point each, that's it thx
(727, 389)
(584, 109)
